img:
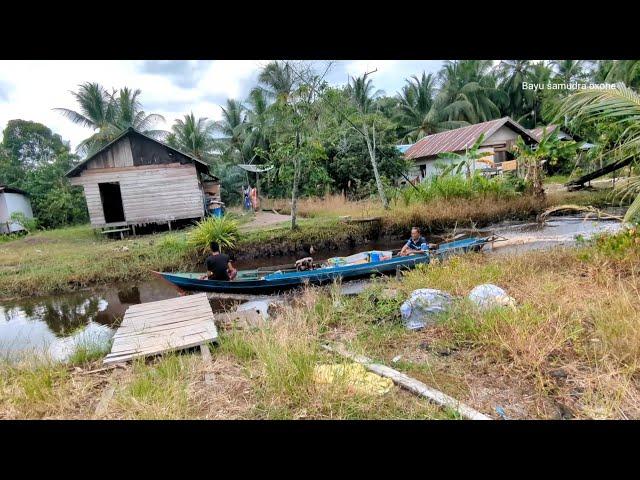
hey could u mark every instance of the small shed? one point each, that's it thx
(13, 200)
(138, 180)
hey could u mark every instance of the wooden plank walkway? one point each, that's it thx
(157, 327)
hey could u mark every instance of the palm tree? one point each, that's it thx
(362, 91)
(129, 113)
(232, 126)
(569, 71)
(278, 80)
(531, 114)
(418, 114)
(97, 111)
(627, 71)
(108, 113)
(469, 91)
(513, 73)
(259, 122)
(619, 107)
(192, 136)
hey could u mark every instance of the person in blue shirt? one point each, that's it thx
(414, 244)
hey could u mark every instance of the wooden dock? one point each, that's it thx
(157, 327)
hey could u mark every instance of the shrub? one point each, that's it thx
(29, 224)
(448, 187)
(222, 230)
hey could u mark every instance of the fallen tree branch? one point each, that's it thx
(411, 384)
(577, 208)
(103, 369)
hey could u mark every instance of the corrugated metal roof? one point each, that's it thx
(537, 132)
(461, 138)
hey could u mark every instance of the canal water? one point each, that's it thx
(53, 326)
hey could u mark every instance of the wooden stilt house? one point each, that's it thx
(137, 180)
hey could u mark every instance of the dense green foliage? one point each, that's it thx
(456, 186)
(35, 159)
(319, 137)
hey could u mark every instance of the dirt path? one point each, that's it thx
(265, 219)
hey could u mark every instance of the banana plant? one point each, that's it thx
(464, 161)
(550, 148)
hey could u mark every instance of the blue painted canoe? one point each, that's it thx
(255, 282)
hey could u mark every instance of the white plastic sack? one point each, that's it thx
(488, 296)
(423, 306)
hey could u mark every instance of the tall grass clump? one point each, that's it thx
(455, 186)
(88, 351)
(223, 230)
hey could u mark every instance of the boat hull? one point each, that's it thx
(274, 283)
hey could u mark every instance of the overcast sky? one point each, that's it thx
(29, 90)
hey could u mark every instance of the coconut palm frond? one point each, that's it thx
(75, 117)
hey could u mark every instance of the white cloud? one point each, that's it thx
(31, 89)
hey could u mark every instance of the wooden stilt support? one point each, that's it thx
(209, 378)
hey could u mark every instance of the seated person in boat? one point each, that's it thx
(219, 265)
(414, 244)
(307, 262)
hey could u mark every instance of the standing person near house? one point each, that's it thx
(415, 243)
(254, 199)
(247, 201)
(219, 266)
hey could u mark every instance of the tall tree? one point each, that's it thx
(108, 114)
(418, 114)
(277, 81)
(570, 71)
(619, 107)
(513, 73)
(258, 124)
(233, 128)
(469, 91)
(128, 112)
(35, 159)
(361, 92)
(193, 136)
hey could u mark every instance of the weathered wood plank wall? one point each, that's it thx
(149, 193)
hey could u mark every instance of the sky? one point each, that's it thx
(30, 90)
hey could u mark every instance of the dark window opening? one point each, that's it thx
(111, 202)
(423, 171)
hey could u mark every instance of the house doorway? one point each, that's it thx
(111, 202)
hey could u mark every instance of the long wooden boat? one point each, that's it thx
(257, 282)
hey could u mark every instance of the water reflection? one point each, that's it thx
(54, 325)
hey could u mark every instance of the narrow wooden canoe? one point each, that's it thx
(254, 282)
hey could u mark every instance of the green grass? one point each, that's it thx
(560, 178)
(157, 391)
(88, 351)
